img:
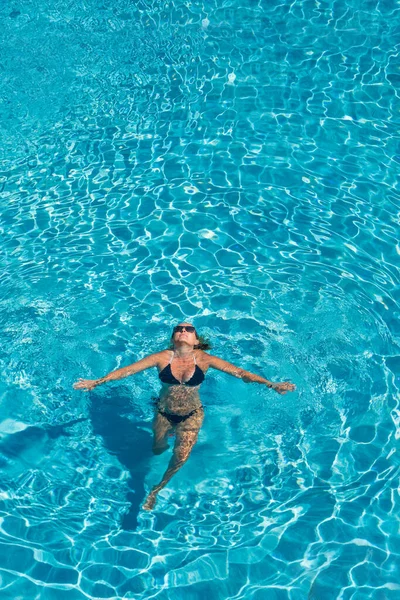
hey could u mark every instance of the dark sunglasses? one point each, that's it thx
(180, 328)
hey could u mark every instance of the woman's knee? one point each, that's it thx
(159, 449)
(183, 447)
(181, 454)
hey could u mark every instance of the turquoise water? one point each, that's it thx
(234, 164)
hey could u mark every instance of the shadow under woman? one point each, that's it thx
(127, 440)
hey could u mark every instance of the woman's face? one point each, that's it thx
(189, 337)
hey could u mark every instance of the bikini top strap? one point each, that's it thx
(194, 358)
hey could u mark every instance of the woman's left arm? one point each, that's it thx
(246, 376)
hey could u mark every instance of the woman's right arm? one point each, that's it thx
(145, 363)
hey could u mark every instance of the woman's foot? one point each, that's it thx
(150, 501)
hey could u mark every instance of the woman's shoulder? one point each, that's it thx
(165, 353)
(203, 356)
(159, 356)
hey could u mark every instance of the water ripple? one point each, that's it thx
(235, 165)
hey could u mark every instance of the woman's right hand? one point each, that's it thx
(85, 384)
(283, 388)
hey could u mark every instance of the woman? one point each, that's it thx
(181, 370)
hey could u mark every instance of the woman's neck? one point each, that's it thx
(184, 350)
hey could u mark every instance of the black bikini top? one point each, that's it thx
(196, 379)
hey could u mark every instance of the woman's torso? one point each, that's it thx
(178, 398)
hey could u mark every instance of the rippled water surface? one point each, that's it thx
(235, 164)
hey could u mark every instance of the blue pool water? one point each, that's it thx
(235, 164)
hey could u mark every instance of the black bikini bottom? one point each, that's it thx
(175, 419)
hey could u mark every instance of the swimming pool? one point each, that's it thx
(235, 164)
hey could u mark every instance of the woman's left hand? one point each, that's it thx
(85, 384)
(283, 388)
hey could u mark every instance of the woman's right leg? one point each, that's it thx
(161, 429)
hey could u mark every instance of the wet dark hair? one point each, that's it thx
(203, 344)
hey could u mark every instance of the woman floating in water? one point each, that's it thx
(181, 370)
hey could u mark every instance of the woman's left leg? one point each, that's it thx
(186, 437)
(161, 429)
